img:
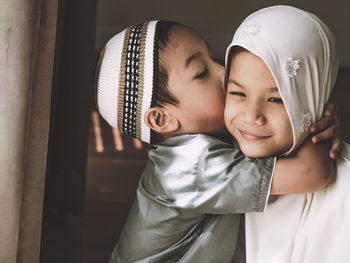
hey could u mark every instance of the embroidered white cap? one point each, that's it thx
(127, 79)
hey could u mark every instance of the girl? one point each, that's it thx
(282, 66)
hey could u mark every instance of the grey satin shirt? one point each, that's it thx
(189, 201)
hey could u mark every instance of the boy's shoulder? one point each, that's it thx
(191, 139)
(190, 146)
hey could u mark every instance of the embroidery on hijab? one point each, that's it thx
(291, 66)
(250, 30)
(306, 121)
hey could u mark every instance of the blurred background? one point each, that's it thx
(92, 170)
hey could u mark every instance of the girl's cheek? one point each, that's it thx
(228, 110)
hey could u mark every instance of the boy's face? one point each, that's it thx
(254, 113)
(196, 81)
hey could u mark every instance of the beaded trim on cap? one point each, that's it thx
(131, 81)
(127, 79)
(131, 89)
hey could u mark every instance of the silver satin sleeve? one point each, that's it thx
(208, 176)
(188, 202)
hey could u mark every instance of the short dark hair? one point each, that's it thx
(163, 95)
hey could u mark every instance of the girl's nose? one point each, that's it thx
(253, 115)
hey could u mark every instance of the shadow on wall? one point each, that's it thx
(342, 96)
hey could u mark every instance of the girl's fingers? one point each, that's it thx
(336, 148)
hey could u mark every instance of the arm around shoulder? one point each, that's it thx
(309, 171)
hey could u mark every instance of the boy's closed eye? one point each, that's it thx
(202, 74)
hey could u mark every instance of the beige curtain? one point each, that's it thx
(27, 39)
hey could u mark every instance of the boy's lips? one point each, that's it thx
(252, 136)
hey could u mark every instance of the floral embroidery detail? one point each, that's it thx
(291, 66)
(250, 30)
(306, 121)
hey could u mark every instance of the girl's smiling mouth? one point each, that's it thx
(252, 136)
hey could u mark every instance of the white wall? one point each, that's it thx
(216, 20)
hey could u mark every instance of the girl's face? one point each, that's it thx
(254, 113)
(196, 81)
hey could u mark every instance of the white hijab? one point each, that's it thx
(300, 51)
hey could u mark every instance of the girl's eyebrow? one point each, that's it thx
(235, 83)
(272, 89)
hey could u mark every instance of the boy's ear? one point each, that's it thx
(159, 120)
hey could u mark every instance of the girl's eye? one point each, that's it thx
(276, 100)
(203, 74)
(236, 93)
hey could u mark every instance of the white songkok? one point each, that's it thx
(299, 49)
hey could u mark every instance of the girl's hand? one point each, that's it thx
(329, 127)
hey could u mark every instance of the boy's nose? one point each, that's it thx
(221, 74)
(223, 77)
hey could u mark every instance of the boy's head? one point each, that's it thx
(157, 80)
(281, 68)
